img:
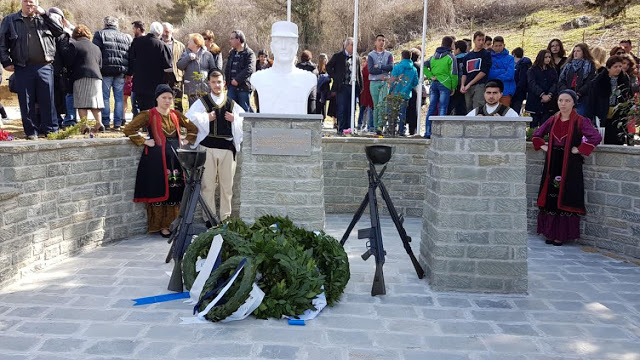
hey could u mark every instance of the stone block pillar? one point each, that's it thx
(279, 184)
(474, 235)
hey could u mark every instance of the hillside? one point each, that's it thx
(544, 25)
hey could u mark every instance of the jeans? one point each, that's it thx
(35, 83)
(240, 97)
(402, 120)
(369, 111)
(117, 83)
(438, 97)
(343, 102)
(70, 117)
(134, 104)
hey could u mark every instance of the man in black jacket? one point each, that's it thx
(114, 46)
(32, 63)
(340, 70)
(148, 58)
(241, 64)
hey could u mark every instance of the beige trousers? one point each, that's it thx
(219, 166)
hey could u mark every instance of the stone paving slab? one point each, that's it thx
(582, 305)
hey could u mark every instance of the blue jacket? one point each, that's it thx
(405, 78)
(503, 67)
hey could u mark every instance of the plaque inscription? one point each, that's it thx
(267, 141)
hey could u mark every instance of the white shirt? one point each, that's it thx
(490, 109)
(198, 115)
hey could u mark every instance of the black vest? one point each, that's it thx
(221, 129)
(501, 110)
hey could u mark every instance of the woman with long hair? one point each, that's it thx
(561, 193)
(599, 56)
(214, 49)
(84, 60)
(160, 179)
(542, 88)
(629, 67)
(559, 54)
(576, 74)
(324, 91)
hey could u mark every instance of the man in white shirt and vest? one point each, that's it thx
(219, 123)
(492, 107)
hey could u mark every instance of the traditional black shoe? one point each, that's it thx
(555, 243)
(165, 235)
(548, 242)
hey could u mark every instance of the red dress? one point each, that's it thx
(365, 94)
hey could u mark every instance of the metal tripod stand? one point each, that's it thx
(379, 154)
(192, 162)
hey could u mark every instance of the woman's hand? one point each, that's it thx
(574, 150)
(544, 148)
(184, 142)
(150, 142)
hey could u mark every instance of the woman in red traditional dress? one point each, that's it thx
(561, 195)
(160, 179)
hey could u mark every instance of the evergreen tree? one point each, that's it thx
(178, 10)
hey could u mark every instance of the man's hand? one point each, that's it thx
(40, 10)
(10, 68)
(150, 142)
(574, 150)
(229, 116)
(376, 66)
(544, 148)
(463, 89)
(234, 82)
(212, 116)
(453, 92)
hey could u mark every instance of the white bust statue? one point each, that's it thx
(283, 88)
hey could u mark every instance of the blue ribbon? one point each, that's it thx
(212, 294)
(160, 298)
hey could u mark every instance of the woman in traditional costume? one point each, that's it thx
(561, 195)
(160, 179)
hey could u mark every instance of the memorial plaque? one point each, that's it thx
(269, 141)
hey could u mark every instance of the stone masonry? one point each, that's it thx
(474, 235)
(283, 184)
(58, 198)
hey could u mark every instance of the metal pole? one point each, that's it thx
(354, 68)
(424, 35)
(289, 10)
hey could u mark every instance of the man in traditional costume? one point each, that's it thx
(561, 194)
(160, 179)
(492, 107)
(219, 117)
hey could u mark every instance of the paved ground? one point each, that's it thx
(581, 306)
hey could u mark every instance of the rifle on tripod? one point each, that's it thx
(192, 161)
(379, 155)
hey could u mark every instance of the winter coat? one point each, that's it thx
(503, 68)
(365, 94)
(337, 68)
(176, 48)
(460, 63)
(203, 65)
(568, 73)
(148, 58)
(83, 59)
(309, 66)
(13, 38)
(405, 78)
(442, 65)
(541, 82)
(522, 67)
(600, 92)
(245, 68)
(114, 46)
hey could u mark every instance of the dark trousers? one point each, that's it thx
(145, 100)
(516, 103)
(35, 86)
(412, 112)
(134, 104)
(343, 104)
(457, 104)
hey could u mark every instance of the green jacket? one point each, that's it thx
(443, 66)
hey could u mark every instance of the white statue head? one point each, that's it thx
(284, 42)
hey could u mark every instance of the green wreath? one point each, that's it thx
(233, 245)
(237, 294)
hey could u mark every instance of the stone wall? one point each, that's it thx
(58, 198)
(612, 195)
(345, 174)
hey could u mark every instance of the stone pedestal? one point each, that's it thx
(474, 235)
(291, 185)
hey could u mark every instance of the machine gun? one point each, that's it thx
(192, 162)
(379, 155)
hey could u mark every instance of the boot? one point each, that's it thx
(3, 112)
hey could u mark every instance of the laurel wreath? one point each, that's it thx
(237, 294)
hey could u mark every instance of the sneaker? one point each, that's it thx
(32, 137)
(116, 128)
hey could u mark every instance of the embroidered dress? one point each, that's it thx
(160, 178)
(561, 194)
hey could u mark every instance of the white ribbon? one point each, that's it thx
(205, 271)
(319, 303)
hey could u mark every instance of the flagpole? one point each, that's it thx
(421, 59)
(354, 56)
(289, 10)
